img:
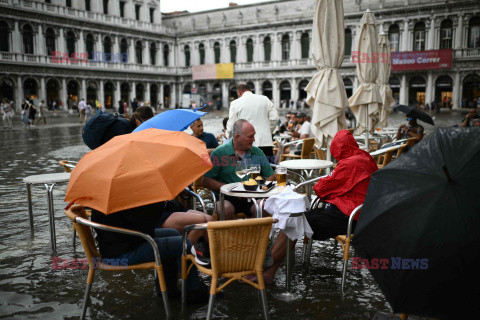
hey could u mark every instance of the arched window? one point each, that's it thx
(419, 37)
(166, 51)
(70, 43)
(89, 45)
(285, 47)
(27, 34)
(4, 35)
(153, 53)
(249, 50)
(305, 44)
(216, 51)
(348, 42)
(394, 37)
(201, 53)
(446, 31)
(267, 48)
(138, 52)
(107, 48)
(105, 6)
(233, 51)
(50, 41)
(187, 56)
(123, 46)
(474, 32)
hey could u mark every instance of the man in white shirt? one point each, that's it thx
(260, 112)
(305, 129)
(81, 110)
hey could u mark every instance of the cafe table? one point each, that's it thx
(49, 180)
(226, 189)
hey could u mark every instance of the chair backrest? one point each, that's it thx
(84, 232)
(238, 245)
(67, 165)
(307, 147)
(321, 153)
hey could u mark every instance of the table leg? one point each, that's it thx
(289, 262)
(258, 209)
(51, 216)
(30, 209)
(222, 206)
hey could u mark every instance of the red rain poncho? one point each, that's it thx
(347, 185)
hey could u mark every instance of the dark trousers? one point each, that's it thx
(327, 222)
(268, 151)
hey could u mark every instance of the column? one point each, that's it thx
(83, 90)
(96, 6)
(257, 48)
(101, 95)
(99, 43)
(81, 42)
(114, 8)
(161, 95)
(129, 10)
(145, 55)
(116, 46)
(16, 41)
(40, 48)
(276, 52)
(171, 56)
(294, 54)
(456, 94)
(430, 90)
(294, 91)
(147, 93)
(459, 37)
(275, 93)
(209, 56)
(258, 87)
(63, 94)
(20, 93)
(131, 51)
(405, 37)
(173, 96)
(242, 49)
(431, 35)
(404, 90)
(43, 92)
(144, 13)
(224, 52)
(61, 41)
(225, 101)
(117, 95)
(133, 94)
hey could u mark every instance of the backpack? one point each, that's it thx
(102, 127)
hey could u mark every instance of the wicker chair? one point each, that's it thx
(67, 165)
(237, 249)
(306, 152)
(82, 225)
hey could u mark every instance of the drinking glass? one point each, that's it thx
(255, 170)
(281, 176)
(241, 170)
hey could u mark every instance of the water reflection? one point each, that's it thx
(30, 288)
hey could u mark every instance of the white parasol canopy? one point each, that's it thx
(384, 69)
(366, 100)
(326, 91)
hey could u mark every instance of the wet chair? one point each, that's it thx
(307, 149)
(237, 249)
(67, 165)
(82, 225)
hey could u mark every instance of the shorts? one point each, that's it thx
(240, 205)
(170, 207)
(328, 222)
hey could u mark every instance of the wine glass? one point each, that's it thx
(241, 170)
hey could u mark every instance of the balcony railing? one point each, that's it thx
(84, 15)
(467, 52)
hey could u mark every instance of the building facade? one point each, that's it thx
(109, 50)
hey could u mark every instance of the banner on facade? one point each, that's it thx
(419, 60)
(212, 71)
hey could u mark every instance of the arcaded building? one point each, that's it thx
(123, 49)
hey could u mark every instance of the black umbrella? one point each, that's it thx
(422, 214)
(414, 113)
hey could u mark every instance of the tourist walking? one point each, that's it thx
(260, 112)
(7, 114)
(32, 111)
(81, 110)
(24, 112)
(42, 113)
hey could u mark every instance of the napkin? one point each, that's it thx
(282, 205)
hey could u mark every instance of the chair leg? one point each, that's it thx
(184, 293)
(210, 306)
(163, 288)
(264, 304)
(309, 251)
(85, 300)
(73, 239)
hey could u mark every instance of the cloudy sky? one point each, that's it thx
(200, 5)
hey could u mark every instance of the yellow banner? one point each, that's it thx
(224, 70)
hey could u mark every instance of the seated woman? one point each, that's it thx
(134, 250)
(342, 191)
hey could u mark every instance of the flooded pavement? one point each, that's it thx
(31, 288)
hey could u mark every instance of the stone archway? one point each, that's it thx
(267, 89)
(53, 89)
(30, 88)
(416, 90)
(108, 94)
(7, 88)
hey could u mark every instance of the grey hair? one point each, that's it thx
(242, 87)
(238, 127)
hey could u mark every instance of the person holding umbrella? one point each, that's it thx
(412, 130)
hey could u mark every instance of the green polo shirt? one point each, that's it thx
(224, 161)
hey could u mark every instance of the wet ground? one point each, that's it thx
(30, 288)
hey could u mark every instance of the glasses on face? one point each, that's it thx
(409, 119)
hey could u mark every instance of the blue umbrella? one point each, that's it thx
(173, 120)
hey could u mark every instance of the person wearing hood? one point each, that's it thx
(341, 191)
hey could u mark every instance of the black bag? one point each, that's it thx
(102, 127)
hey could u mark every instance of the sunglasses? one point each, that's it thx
(410, 119)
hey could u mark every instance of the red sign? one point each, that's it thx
(420, 60)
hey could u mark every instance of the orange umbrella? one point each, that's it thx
(137, 169)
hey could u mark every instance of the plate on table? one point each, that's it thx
(240, 188)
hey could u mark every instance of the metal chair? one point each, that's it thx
(67, 165)
(237, 249)
(82, 225)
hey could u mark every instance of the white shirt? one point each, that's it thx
(305, 129)
(81, 105)
(259, 111)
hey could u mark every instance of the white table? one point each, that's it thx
(225, 190)
(306, 165)
(49, 180)
(394, 147)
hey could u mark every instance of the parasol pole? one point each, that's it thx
(366, 129)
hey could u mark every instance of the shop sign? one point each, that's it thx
(421, 60)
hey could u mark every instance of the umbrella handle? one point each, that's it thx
(200, 108)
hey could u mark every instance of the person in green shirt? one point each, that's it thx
(224, 160)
